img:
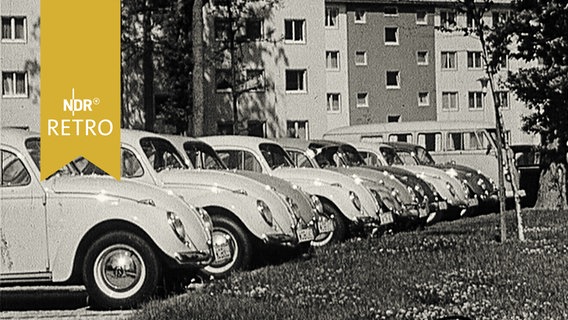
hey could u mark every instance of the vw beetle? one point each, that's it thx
(201, 156)
(411, 209)
(119, 239)
(480, 185)
(352, 206)
(454, 192)
(248, 216)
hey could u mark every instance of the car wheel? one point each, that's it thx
(340, 227)
(120, 270)
(227, 232)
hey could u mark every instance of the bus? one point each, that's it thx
(467, 143)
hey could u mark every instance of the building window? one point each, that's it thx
(393, 79)
(422, 58)
(473, 60)
(360, 58)
(14, 84)
(449, 60)
(333, 102)
(332, 60)
(221, 27)
(331, 14)
(223, 81)
(421, 17)
(296, 80)
(14, 29)
(447, 19)
(254, 29)
(391, 35)
(294, 30)
(471, 22)
(255, 80)
(423, 99)
(475, 100)
(360, 16)
(391, 11)
(449, 101)
(499, 17)
(362, 99)
(393, 118)
(502, 99)
(298, 129)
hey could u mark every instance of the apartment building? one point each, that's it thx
(285, 54)
(462, 87)
(19, 63)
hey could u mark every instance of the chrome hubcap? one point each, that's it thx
(119, 271)
(223, 238)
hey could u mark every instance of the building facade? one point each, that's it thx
(19, 63)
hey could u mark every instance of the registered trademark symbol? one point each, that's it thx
(96, 101)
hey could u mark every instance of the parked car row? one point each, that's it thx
(188, 207)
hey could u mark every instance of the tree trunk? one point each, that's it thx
(148, 70)
(552, 191)
(196, 126)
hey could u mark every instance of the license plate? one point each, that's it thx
(305, 235)
(222, 252)
(325, 225)
(422, 212)
(472, 202)
(386, 218)
(443, 205)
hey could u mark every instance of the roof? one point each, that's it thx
(405, 146)
(232, 140)
(133, 136)
(499, 3)
(400, 127)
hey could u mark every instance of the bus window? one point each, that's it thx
(454, 141)
(430, 141)
(465, 141)
(400, 137)
(372, 138)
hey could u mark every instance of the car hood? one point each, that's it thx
(409, 178)
(285, 188)
(440, 175)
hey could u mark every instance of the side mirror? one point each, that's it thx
(488, 150)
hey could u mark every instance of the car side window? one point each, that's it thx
(130, 166)
(240, 160)
(300, 159)
(370, 158)
(14, 173)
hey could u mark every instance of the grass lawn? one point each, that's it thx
(451, 268)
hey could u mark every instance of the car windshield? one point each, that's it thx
(33, 147)
(275, 156)
(202, 156)
(391, 157)
(424, 157)
(351, 156)
(161, 154)
(327, 156)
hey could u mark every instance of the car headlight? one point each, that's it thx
(206, 218)
(481, 184)
(355, 200)
(265, 212)
(177, 226)
(316, 202)
(396, 196)
(451, 189)
(419, 189)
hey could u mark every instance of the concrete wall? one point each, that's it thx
(370, 37)
(19, 57)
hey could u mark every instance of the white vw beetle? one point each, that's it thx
(201, 156)
(248, 216)
(119, 239)
(351, 205)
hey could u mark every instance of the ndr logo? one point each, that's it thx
(76, 105)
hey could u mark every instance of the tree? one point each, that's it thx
(239, 34)
(197, 75)
(535, 32)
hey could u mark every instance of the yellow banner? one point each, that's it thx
(80, 84)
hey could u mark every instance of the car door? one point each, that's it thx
(23, 231)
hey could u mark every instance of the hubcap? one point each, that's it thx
(222, 237)
(119, 271)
